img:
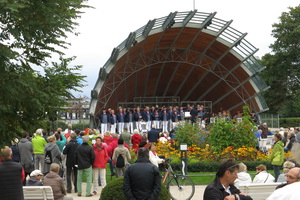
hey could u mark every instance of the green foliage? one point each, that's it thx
(289, 122)
(114, 191)
(31, 32)
(290, 109)
(189, 134)
(231, 133)
(282, 72)
(204, 166)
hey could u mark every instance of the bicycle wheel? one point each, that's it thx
(181, 188)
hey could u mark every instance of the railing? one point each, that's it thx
(271, 119)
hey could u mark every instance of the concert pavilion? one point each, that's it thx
(185, 57)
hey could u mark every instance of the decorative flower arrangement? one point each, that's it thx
(207, 154)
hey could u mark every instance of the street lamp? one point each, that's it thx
(183, 149)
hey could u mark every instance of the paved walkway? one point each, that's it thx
(197, 196)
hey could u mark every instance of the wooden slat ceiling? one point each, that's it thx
(159, 64)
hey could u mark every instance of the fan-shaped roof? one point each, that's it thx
(190, 55)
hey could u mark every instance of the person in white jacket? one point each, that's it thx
(243, 177)
(262, 176)
(287, 192)
(153, 157)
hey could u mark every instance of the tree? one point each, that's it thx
(31, 33)
(282, 73)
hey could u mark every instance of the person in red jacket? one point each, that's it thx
(99, 165)
(136, 139)
(108, 138)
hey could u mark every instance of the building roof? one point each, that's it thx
(191, 55)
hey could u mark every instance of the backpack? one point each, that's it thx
(120, 161)
(48, 157)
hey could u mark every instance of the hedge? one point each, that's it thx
(213, 166)
(114, 191)
(289, 122)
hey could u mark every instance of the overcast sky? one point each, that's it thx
(109, 23)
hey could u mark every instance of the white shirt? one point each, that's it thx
(243, 178)
(154, 159)
(264, 177)
(289, 192)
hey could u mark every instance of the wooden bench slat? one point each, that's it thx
(259, 191)
(38, 193)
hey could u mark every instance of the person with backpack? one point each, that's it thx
(52, 154)
(121, 156)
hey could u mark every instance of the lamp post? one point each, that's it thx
(183, 150)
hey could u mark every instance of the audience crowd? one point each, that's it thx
(64, 158)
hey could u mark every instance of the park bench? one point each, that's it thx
(259, 191)
(38, 193)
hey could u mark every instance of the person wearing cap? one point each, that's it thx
(222, 188)
(35, 178)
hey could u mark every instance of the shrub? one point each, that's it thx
(189, 134)
(114, 191)
(289, 122)
(230, 133)
(201, 166)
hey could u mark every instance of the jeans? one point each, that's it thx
(69, 176)
(88, 172)
(111, 166)
(276, 171)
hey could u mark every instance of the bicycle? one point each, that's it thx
(180, 187)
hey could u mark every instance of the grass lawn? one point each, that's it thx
(199, 178)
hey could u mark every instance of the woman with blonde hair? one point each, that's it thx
(53, 149)
(287, 165)
(243, 176)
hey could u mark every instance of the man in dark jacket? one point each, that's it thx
(142, 179)
(70, 150)
(84, 157)
(11, 176)
(153, 134)
(222, 187)
(194, 114)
